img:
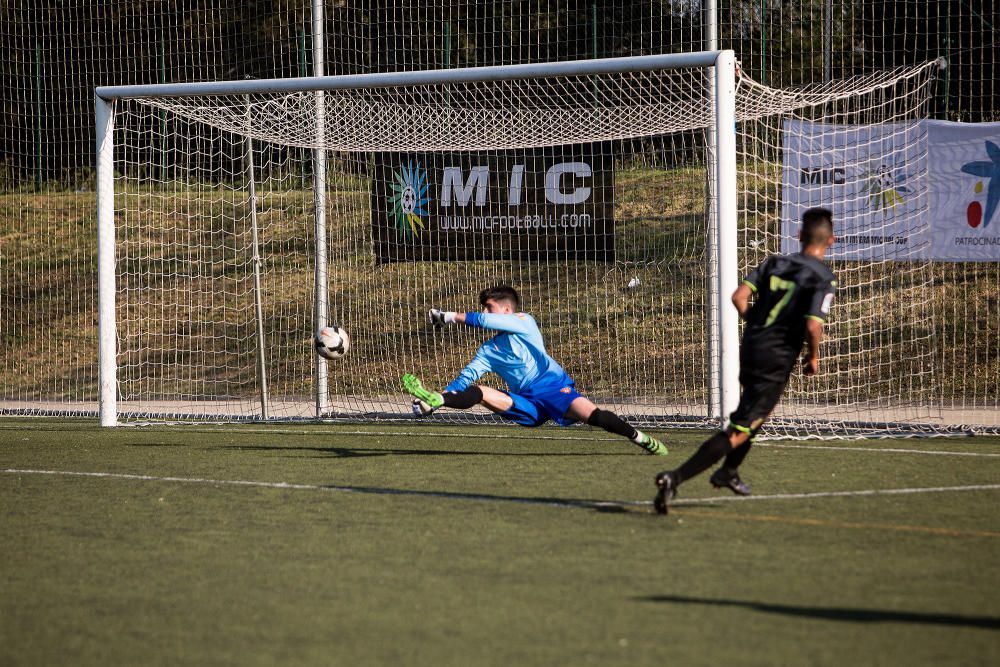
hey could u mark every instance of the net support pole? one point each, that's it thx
(319, 197)
(256, 263)
(107, 344)
(727, 239)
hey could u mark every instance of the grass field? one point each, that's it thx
(356, 545)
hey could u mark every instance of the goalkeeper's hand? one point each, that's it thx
(421, 409)
(439, 318)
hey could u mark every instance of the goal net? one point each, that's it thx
(593, 194)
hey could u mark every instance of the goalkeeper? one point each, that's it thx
(538, 387)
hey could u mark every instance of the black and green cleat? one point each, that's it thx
(414, 387)
(666, 490)
(722, 479)
(653, 446)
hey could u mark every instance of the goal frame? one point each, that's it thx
(722, 279)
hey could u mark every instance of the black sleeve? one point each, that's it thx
(754, 277)
(822, 300)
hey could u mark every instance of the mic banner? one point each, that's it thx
(551, 204)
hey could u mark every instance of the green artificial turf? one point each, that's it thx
(448, 546)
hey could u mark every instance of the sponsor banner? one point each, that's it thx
(964, 175)
(554, 203)
(920, 190)
(870, 176)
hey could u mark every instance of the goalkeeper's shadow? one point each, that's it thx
(362, 452)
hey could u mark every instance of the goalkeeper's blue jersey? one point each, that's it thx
(517, 354)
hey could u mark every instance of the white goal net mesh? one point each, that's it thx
(435, 192)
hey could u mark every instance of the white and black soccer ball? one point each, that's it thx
(332, 342)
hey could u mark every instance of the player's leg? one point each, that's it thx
(494, 399)
(727, 475)
(757, 400)
(764, 395)
(426, 401)
(710, 451)
(583, 410)
(415, 388)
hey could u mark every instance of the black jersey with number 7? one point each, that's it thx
(790, 289)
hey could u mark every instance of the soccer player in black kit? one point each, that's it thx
(794, 294)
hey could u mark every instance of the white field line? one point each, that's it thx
(512, 436)
(833, 494)
(458, 495)
(888, 450)
(932, 452)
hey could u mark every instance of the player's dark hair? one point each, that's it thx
(500, 293)
(817, 226)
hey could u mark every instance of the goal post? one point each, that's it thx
(107, 335)
(623, 197)
(723, 321)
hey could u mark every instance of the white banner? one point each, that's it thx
(870, 176)
(902, 191)
(964, 174)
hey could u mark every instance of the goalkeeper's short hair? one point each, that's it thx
(500, 293)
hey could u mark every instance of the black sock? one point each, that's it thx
(612, 423)
(710, 451)
(463, 400)
(735, 457)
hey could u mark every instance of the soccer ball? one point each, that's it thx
(332, 342)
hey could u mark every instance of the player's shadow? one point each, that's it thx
(611, 506)
(353, 452)
(838, 613)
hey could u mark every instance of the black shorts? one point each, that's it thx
(757, 401)
(762, 389)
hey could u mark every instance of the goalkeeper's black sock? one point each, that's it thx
(612, 423)
(735, 457)
(463, 400)
(710, 451)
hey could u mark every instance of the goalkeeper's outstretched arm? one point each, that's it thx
(506, 322)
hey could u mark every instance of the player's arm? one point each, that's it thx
(479, 366)
(741, 299)
(511, 323)
(814, 335)
(819, 310)
(508, 323)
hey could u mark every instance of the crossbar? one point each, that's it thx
(428, 77)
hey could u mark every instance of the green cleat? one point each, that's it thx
(416, 389)
(653, 446)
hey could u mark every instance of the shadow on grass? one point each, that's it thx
(348, 452)
(839, 614)
(604, 506)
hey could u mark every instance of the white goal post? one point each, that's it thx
(723, 334)
(622, 197)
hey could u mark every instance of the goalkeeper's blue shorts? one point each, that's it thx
(538, 404)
